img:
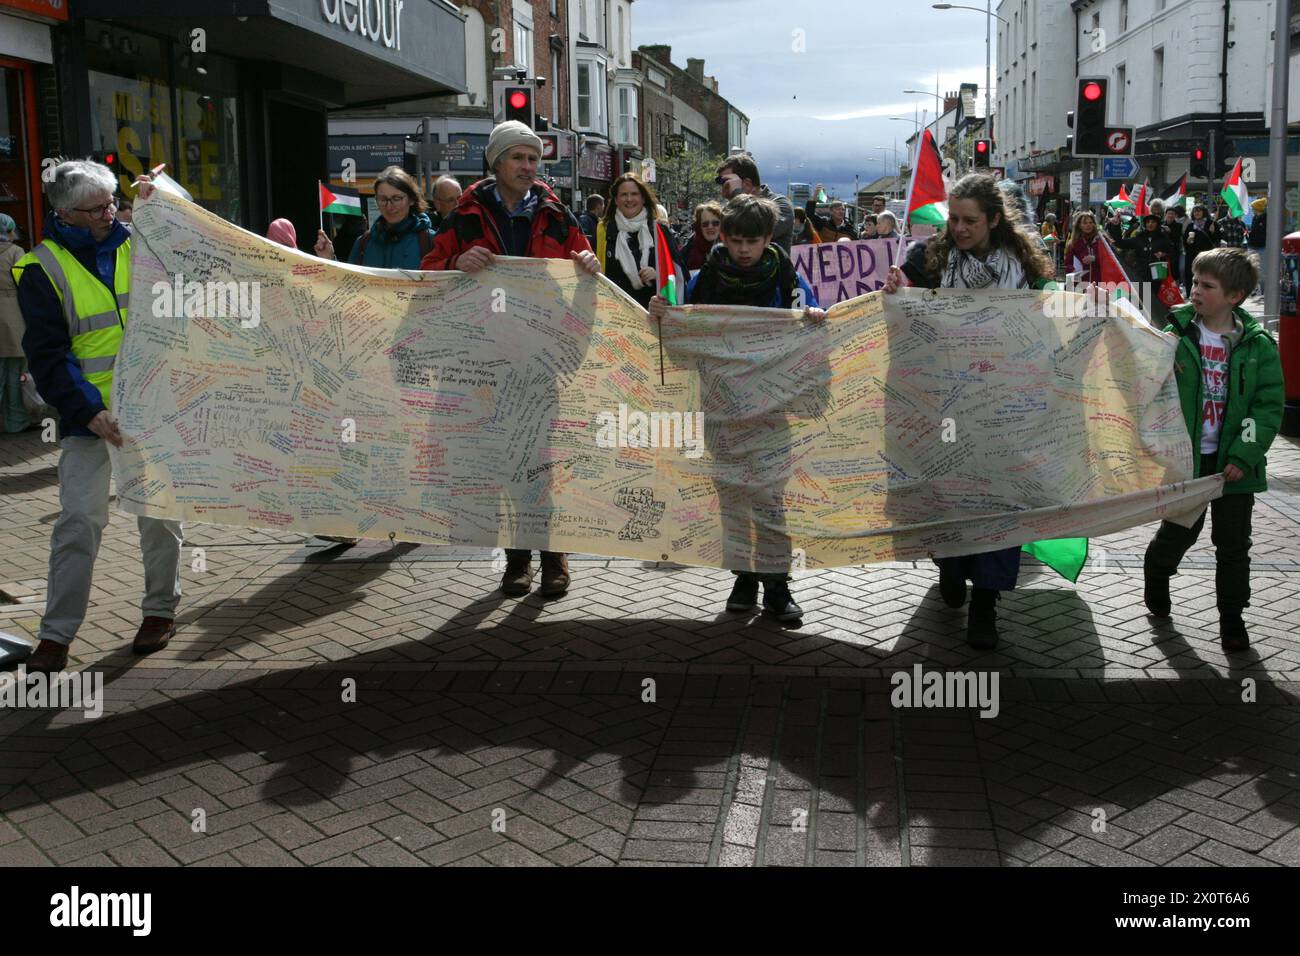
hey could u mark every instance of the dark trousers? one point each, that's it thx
(1231, 536)
(989, 570)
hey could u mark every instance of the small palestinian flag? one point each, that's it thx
(339, 200)
(927, 199)
(1122, 201)
(1140, 207)
(1179, 195)
(666, 269)
(1234, 193)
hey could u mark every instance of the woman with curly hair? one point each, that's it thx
(985, 246)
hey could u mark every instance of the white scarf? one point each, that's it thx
(623, 252)
(1000, 269)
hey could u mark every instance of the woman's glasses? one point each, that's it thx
(391, 200)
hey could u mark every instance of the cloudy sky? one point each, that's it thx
(828, 107)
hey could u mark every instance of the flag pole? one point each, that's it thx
(320, 210)
(907, 203)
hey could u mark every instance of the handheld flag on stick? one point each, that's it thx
(1140, 207)
(927, 197)
(1121, 201)
(164, 182)
(666, 282)
(1234, 192)
(1179, 195)
(338, 200)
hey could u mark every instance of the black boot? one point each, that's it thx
(982, 619)
(778, 599)
(1232, 630)
(952, 585)
(1155, 592)
(744, 594)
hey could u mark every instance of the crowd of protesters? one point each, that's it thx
(65, 313)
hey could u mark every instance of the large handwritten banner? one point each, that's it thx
(839, 271)
(523, 406)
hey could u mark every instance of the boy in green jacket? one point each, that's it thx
(1230, 385)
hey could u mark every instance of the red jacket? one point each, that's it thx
(555, 233)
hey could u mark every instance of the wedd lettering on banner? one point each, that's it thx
(375, 19)
(838, 271)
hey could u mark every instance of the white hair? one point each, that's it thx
(75, 180)
(886, 214)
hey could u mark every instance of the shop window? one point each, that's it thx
(153, 101)
(15, 169)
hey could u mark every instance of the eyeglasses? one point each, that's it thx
(97, 212)
(709, 223)
(391, 200)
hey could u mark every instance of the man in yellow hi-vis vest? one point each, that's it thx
(72, 290)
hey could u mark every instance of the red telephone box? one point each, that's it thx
(1288, 332)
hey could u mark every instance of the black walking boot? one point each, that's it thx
(952, 584)
(1155, 592)
(982, 619)
(778, 599)
(744, 594)
(1232, 630)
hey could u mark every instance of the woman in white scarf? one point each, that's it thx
(984, 246)
(626, 240)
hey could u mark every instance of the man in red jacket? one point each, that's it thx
(512, 214)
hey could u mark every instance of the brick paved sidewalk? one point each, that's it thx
(489, 730)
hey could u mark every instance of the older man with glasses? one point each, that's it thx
(72, 290)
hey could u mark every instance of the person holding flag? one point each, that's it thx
(402, 233)
(632, 245)
(985, 246)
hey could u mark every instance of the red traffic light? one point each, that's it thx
(981, 146)
(109, 159)
(1198, 154)
(1092, 91)
(518, 99)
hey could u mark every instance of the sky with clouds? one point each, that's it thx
(828, 107)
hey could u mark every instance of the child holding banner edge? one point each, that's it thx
(748, 269)
(1229, 377)
(984, 246)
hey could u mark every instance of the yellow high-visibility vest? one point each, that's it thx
(96, 316)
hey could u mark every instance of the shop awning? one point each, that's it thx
(381, 51)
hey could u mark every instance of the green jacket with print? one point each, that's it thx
(1255, 394)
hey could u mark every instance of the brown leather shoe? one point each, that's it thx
(153, 635)
(555, 574)
(519, 574)
(49, 657)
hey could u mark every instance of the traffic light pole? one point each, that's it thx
(1085, 200)
(1277, 163)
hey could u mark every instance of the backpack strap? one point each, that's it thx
(426, 242)
(365, 241)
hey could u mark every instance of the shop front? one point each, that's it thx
(25, 50)
(235, 97)
(595, 168)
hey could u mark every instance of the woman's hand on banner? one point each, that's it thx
(658, 307)
(144, 187)
(324, 248)
(894, 281)
(814, 315)
(589, 264)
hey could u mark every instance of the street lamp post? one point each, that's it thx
(990, 16)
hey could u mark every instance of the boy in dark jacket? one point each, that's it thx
(748, 269)
(1230, 385)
